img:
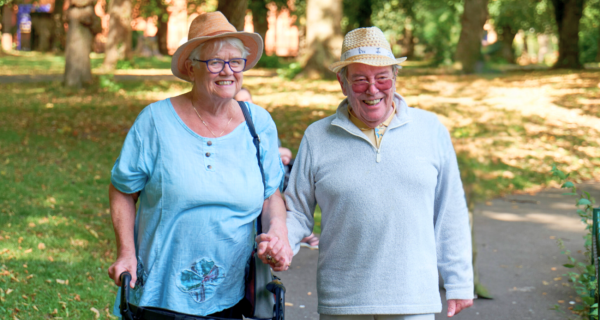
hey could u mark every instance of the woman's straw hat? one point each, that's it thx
(366, 46)
(213, 25)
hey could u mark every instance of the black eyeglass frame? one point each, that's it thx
(224, 63)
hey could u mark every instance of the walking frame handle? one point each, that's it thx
(124, 306)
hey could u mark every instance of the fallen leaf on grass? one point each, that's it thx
(28, 250)
(51, 259)
(25, 297)
(36, 309)
(30, 276)
(32, 225)
(41, 246)
(20, 239)
(8, 291)
(77, 298)
(94, 233)
(96, 312)
(55, 311)
(66, 282)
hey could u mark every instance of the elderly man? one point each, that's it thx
(393, 208)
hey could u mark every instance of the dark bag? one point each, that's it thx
(264, 290)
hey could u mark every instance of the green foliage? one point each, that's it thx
(582, 274)
(589, 32)
(434, 23)
(107, 82)
(290, 71)
(270, 62)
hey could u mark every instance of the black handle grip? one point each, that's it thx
(124, 306)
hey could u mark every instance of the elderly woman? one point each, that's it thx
(192, 161)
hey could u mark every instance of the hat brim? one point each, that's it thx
(368, 59)
(252, 41)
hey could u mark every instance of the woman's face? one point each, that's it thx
(222, 85)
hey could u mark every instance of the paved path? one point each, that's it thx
(519, 260)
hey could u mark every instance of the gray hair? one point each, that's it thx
(216, 45)
(344, 73)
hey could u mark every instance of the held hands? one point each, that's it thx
(127, 263)
(457, 305)
(274, 252)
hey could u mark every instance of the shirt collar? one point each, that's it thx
(398, 118)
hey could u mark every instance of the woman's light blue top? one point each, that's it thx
(199, 198)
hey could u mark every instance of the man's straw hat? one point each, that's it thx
(366, 46)
(213, 25)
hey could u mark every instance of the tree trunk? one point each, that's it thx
(162, 24)
(365, 9)
(468, 51)
(323, 37)
(6, 26)
(234, 11)
(119, 33)
(42, 24)
(259, 16)
(83, 24)
(567, 14)
(59, 40)
(408, 40)
(507, 38)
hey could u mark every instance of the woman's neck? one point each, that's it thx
(214, 107)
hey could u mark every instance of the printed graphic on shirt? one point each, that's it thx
(201, 280)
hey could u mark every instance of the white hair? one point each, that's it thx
(344, 74)
(216, 45)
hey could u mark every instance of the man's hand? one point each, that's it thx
(457, 305)
(128, 263)
(279, 252)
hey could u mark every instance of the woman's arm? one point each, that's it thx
(122, 209)
(274, 239)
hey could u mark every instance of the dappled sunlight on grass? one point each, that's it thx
(58, 145)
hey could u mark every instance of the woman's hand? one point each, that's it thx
(127, 263)
(122, 210)
(274, 252)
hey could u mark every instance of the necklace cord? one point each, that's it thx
(206, 125)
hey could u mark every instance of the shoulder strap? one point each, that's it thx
(256, 141)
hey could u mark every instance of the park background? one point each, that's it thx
(516, 82)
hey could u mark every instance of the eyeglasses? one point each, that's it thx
(381, 85)
(217, 65)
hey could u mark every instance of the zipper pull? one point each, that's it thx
(378, 156)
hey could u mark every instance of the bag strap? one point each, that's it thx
(256, 141)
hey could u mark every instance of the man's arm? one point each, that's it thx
(452, 231)
(122, 209)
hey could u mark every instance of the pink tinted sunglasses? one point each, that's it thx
(381, 85)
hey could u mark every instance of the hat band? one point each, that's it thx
(367, 50)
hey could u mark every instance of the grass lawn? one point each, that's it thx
(19, 63)
(57, 147)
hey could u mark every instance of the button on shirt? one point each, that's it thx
(199, 199)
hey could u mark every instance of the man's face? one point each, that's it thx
(370, 92)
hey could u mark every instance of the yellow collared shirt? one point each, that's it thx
(374, 134)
